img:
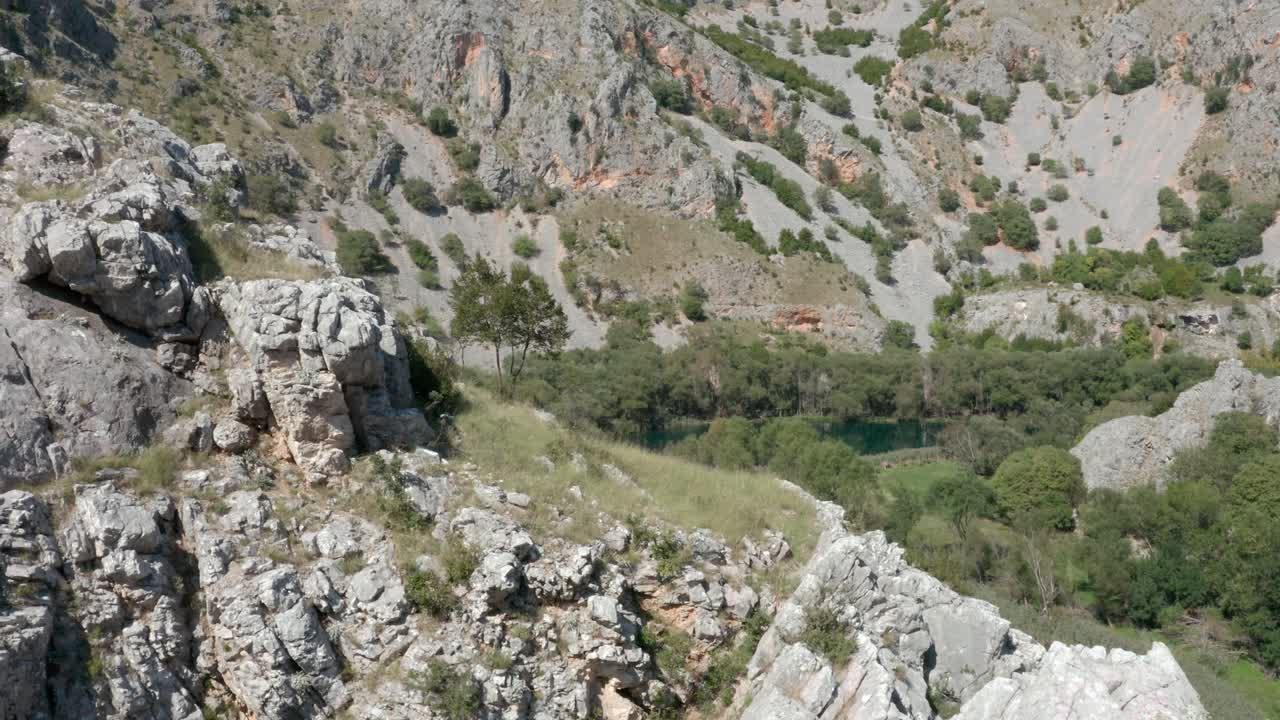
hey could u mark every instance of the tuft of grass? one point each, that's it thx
(826, 634)
(217, 254)
(156, 468)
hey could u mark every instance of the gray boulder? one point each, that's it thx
(1136, 450)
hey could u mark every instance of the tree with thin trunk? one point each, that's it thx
(513, 315)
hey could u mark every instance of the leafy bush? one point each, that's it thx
(672, 95)
(13, 91)
(1040, 485)
(525, 247)
(995, 108)
(693, 299)
(872, 69)
(790, 243)
(788, 192)
(913, 41)
(420, 195)
(429, 593)
(911, 120)
(453, 248)
(1058, 193)
(1142, 73)
(440, 124)
(1038, 205)
(835, 41)
(327, 134)
(1016, 224)
(451, 693)
(970, 126)
(827, 635)
(464, 154)
(1033, 159)
(871, 143)
(359, 253)
(472, 195)
(948, 200)
(1216, 99)
(900, 334)
(1093, 236)
(420, 254)
(1174, 213)
(271, 194)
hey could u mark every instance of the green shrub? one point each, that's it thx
(421, 255)
(13, 91)
(1039, 485)
(525, 247)
(429, 593)
(1093, 236)
(440, 124)
(271, 194)
(459, 561)
(453, 248)
(451, 693)
(1016, 224)
(359, 254)
(828, 635)
(871, 143)
(420, 195)
(1216, 99)
(1175, 215)
(872, 69)
(379, 202)
(1038, 205)
(1033, 159)
(835, 41)
(693, 299)
(912, 41)
(465, 155)
(1058, 193)
(327, 134)
(995, 108)
(472, 195)
(948, 200)
(970, 126)
(912, 121)
(1142, 73)
(672, 95)
(794, 76)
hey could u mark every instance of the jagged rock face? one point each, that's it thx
(29, 560)
(518, 76)
(325, 364)
(916, 638)
(1136, 450)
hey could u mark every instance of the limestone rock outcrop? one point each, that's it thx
(327, 366)
(1136, 450)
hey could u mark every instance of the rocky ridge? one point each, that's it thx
(234, 595)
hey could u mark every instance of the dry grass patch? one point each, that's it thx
(506, 441)
(226, 253)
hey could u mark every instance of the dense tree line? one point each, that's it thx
(630, 385)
